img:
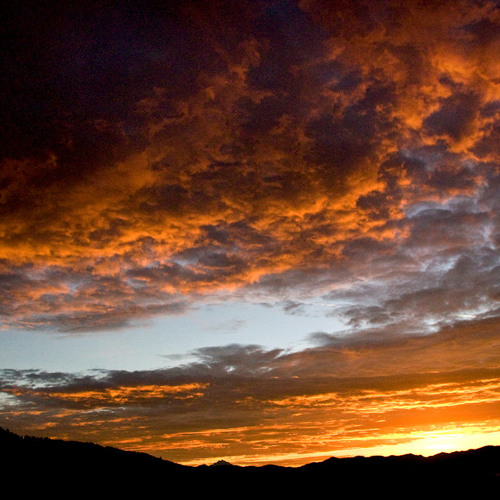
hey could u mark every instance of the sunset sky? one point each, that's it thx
(261, 231)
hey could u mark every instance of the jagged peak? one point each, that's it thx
(221, 463)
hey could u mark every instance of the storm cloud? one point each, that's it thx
(155, 156)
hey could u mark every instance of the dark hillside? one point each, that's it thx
(63, 468)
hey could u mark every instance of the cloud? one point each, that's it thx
(162, 154)
(373, 388)
(455, 117)
(289, 153)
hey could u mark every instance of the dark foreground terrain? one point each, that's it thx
(72, 469)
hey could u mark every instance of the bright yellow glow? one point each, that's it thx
(451, 439)
(425, 443)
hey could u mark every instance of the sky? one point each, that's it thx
(261, 231)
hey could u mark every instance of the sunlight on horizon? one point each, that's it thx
(429, 443)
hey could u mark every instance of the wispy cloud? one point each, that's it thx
(249, 403)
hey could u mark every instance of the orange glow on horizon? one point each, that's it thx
(422, 442)
(171, 173)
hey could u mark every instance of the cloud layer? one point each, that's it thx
(157, 155)
(250, 405)
(160, 155)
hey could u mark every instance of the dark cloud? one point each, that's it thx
(291, 152)
(456, 116)
(71, 67)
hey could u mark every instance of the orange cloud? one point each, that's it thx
(256, 406)
(341, 152)
(285, 175)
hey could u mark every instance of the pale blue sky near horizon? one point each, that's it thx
(165, 340)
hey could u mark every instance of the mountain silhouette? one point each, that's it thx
(66, 468)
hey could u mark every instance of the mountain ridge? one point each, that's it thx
(102, 468)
